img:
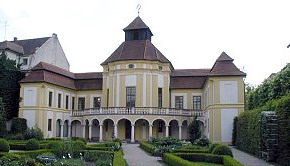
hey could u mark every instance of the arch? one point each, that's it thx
(184, 130)
(65, 128)
(174, 128)
(124, 118)
(58, 128)
(102, 122)
(124, 128)
(108, 129)
(76, 128)
(159, 128)
(178, 123)
(95, 130)
(159, 118)
(141, 129)
(87, 128)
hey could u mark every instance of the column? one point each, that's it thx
(166, 130)
(132, 133)
(84, 131)
(69, 131)
(90, 132)
(179, 132)
(150, 131)
(101, 133)
(116, 131)
(61, 131)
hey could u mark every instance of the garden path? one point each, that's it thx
(249, 160)
(135, 156)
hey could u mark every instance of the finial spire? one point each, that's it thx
(138, 8)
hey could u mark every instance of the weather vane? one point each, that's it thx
(138, 8)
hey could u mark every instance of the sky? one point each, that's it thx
(190, 33)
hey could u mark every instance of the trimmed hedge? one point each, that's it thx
(248, 129)
(18, 126)
(223, 150)
(186, 159)
(4, 146)
(33, 153)
(190, 151)
(119, 160)
(32, 144)
(147, 147)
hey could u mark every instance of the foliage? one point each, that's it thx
(69, 162)
(32, 144)
(10, 76)
(15, 137)
(118, 140)
(33, 153)
(79, 138)
(33, 133)
(212, 147)
(67, 149)
(202, 141)
(119, 160)
(147, 147)
(157, 146)
(273, 88)
(223, 150)
(234, 133)
(109, 146)
(190, 151)
(4, 146)
(194, 130)
(3, 130)
(47, 158)
(168, 141)
(19, 125)
(53, 139)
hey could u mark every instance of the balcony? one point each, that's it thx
(137, 111)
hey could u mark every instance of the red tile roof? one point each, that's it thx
(136, 50)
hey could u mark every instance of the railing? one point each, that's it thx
(137, 111)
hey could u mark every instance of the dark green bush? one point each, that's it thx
(33, 153)
(33, 133)
(15, 136)
(234, 133)
(4, 146)
(18, 126)
(32, 144)
(69, 162)
(173, 160)
(118, 140)
(212, 147)
(67, 148)
(79, 138)
(53, 139)
(147, 147)
(93, 155)
(119, 160)
(202, 141)
(223, 150)
(3, 130)
(190, 151)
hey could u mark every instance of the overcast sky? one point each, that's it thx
(190, 33)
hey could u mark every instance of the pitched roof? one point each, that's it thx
(137, 23)
(11, 46)
(182, 82)
(189, 72)
(136, 50)
(44, 72)
(224, 66)
(31, 45)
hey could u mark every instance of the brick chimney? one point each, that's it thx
(15, 39)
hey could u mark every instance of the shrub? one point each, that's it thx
(32, 144)
(119, 160)
(234, 134)
(194, 130)
(190, 151)
(222, 150)
(53, 139)
(4, 146)
(212, 147)
(92, 156)
(33, 153)
(118, 140)
(33, 133)
(147, 147)
(18, 136)
(3, 130)
(67, 149)
(18, 126)
(203, 141)
(69, 162)
(79, 138)
(173, 160)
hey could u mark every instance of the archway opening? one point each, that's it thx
(159, 128)
(95, 130)
(173, 129)
(87, 128)
(184, 133)
(58, 128)
(142, 130)
(76, 129)
(124, 129)
(65, 128)
(108, 129)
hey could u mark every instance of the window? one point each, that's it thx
(97, 102)
(159, 97)
(82, 103)
(130, 96)
(160, 67)
(66, 102)
(73, 103)
(196, 102)
(49, 125)
(135, 36)
(131, 66)
(25, 61)
(50, 99)
(59, 101)
(179, 102)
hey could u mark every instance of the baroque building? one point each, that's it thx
(138, 95)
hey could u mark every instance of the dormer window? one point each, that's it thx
(131, 66)
(25, 61)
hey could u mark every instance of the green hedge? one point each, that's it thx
(187, 159)
(147, 147)
(248, 128)
(190, 151)
(33, 153)
(18, 126)
(119, 160)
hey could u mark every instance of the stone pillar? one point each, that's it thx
(150, 131)
(132, 133)
(166, 130)
(69, 131)
(101, 133)
(84, 131)
(179, 132)
(116, 131)
(90, 132)
(61, 131)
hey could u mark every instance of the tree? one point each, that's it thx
(194, 132)
(10, 76)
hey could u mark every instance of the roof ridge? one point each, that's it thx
(29, 39)
(123, 45)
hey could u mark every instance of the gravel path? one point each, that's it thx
(249, 160)
(135, 156)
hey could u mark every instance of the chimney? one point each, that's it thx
(54, 35)
(15, 39)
